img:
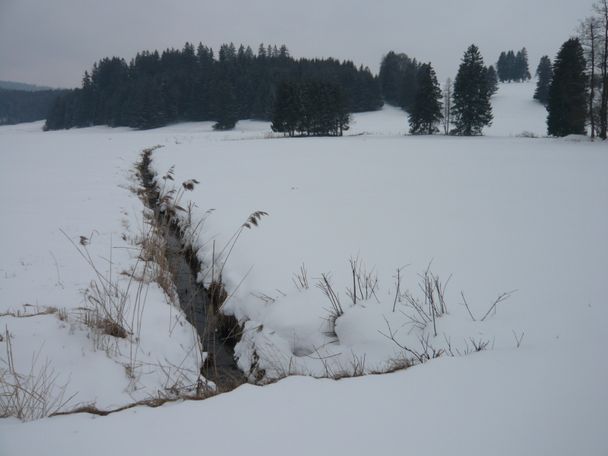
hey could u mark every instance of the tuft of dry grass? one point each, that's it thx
(30, 395)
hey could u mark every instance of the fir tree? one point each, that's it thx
(426, 112)
(567, 103)
(544, 73)
(471, 109)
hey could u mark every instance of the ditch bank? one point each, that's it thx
(218, 333)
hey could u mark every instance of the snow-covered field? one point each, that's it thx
(496, 213)
(59, 187)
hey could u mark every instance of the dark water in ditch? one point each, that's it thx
(217, 332)
(194, 300)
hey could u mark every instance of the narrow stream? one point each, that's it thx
(217, 332)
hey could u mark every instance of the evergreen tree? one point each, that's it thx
(426, 112)
(409, 85)
(544, 73)
(471, 109)
(567, 104)
(502, 67)
(226, 113)
(511, 71)
(521, 71)
(492, 80)
(398, 77)
(391, 77)
(287, 109)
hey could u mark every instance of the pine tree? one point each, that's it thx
(567, 104)
(426, 111)
(472, 109)
(544, 73)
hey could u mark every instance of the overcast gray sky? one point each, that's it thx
(52, 42)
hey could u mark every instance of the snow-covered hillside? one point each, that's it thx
(516, 113)
(491, 214)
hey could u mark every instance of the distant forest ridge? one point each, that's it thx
(195, 84)
(12, 85)
(18, 106)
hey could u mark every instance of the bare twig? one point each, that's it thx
(502, 297)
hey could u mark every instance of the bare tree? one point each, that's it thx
(447, 106)
(590, 36)
(601, 9)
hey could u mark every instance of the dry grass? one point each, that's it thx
(30, 395)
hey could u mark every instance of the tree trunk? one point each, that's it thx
(592, 82)
(604, 68)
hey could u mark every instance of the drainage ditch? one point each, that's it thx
(218, 332)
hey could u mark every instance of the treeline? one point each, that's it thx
(26, 106)
(190, 84)
(513, 67)
(310, 108)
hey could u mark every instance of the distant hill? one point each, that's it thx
(10, 85)
(18, 106)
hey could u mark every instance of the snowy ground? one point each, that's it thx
(59, 187)
(498, 213)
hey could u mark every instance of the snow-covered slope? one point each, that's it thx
(516, 113)
(498, 213)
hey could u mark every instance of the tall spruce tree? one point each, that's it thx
(544, 73)
(521, 69)
(471, 109)
(567, 103)
(226, 108)
(502, 67)
(492, 79)
(511, 71)
(287, 108)
(426, 111)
